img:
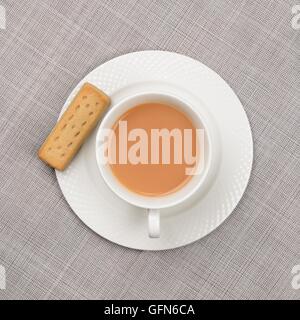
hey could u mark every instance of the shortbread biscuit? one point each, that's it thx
(74, 127)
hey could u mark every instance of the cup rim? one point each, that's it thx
(140, 198)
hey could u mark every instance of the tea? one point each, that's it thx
(151, 149)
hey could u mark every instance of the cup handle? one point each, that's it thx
(153, 223)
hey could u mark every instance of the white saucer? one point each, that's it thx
(112, 218)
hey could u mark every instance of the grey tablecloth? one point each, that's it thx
(47, 47)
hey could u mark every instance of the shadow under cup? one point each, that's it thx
(199, 119)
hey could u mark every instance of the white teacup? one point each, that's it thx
(153, 205)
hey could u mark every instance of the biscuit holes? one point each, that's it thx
(62, 155)
(87, 105)
(77, 107)
(69, 145)
(97, 103)
(77, 133)
(59, 147)
(91, 113)
(64, 127)
(73, 126)
(84, 97)
(71, 116)
(84, 123)
(49, 149)
(56, 138)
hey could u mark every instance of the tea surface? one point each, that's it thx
(152, 179)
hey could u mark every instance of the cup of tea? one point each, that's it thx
(155, 150)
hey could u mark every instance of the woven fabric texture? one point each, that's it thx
(47, 47)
